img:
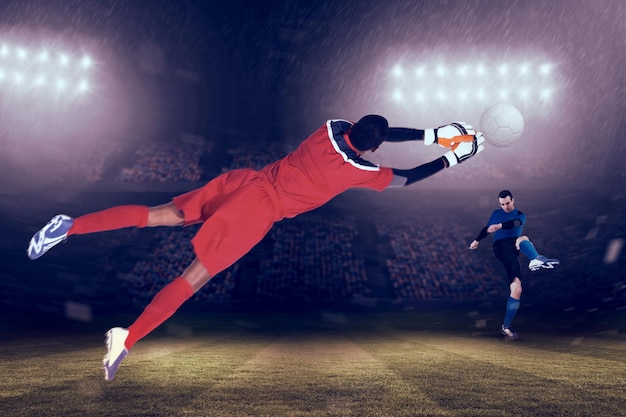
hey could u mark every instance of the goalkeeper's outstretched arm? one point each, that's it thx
(445, 136)
(461, 152)
(403, 177)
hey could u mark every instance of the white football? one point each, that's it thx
(502, 124)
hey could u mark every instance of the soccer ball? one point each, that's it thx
(502, 124)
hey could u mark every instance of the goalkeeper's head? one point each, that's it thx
(368, 133)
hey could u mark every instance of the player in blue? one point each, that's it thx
(506, 224)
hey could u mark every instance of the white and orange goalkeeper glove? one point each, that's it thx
(449, 135)
(465, 150)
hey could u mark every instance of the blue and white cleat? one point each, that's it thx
(542, 262)
(508, 333)
(50, 235)
(116, 351)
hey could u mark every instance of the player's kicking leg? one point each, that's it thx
(537, 261)
(541, 262)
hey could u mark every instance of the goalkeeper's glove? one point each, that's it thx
(465, 150)
(449, 135)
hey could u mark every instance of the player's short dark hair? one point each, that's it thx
(369, 132)
(505, 194)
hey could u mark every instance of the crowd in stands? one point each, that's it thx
(171, 253)
(431, 261)
(313, 259)
(255, 156)
(164, 162)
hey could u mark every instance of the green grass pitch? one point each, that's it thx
(323, 364)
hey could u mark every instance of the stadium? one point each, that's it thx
(370, 305)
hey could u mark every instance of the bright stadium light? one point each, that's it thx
(83, 86)
(397, 71)
(44, 69)
(18, 78)
(524, 68)
(86, 62)
(43, 56)
(545, 69)
(545, 94)
(468, 83)
(64, 60)
(61, 84)
(21, 54)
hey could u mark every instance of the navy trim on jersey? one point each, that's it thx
(336, 129)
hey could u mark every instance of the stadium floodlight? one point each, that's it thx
(83, 86)
(524, 68)
(61, 84)
(43, 56)
(545, 94)
(28, 71)
(398, 96)
(439, 82)
(545, 69)
(22, 54)
(64, 60)
(397, 71)
(86, 62)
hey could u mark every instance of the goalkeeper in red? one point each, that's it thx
(506, 224)
(238, 208)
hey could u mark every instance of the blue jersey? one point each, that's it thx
(500, 216)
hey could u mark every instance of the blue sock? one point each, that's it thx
(528, 249)
(511, 308)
